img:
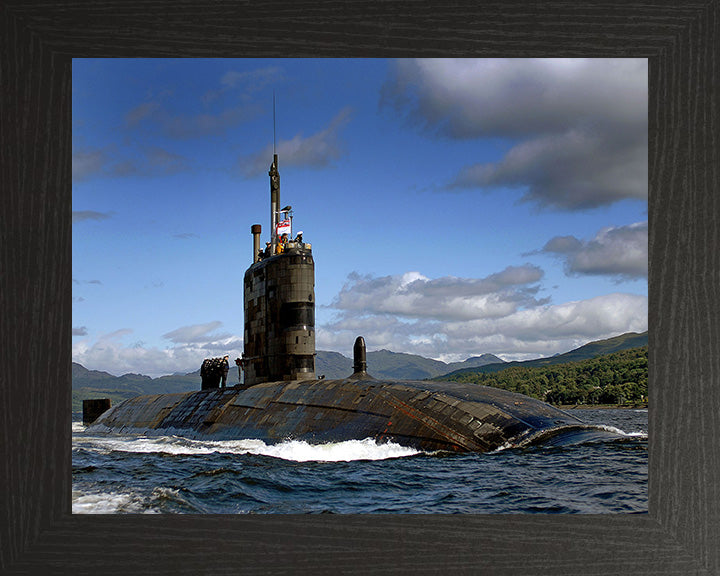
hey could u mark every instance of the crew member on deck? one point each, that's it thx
(281, 245)
(224, 368)
(238, 363)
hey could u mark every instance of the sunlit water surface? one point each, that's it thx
(170, 474)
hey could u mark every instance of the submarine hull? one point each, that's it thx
(424, 415)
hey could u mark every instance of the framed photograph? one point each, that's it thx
(677, 534)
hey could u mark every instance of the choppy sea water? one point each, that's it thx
(170, 474)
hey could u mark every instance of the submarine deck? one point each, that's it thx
(422, 414)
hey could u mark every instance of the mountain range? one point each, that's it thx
(590, 350)
(382, 364)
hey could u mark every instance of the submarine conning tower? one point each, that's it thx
(279, 300)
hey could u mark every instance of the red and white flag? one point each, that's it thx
(284, 227)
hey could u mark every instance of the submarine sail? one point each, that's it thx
(281, 397)
(279, 303)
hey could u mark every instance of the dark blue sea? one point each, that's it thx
(170, 474)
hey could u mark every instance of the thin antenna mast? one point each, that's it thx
(274, 190)
(273, 122)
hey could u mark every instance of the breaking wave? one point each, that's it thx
(640, 435)
(295, 450)
(107, 503)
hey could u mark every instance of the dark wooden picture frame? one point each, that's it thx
(681, 532)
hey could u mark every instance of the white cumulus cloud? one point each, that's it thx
(521, 334)
(413, 295)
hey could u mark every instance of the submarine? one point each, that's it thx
(282, 398)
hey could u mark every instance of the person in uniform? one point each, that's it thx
(238, 363)
(224, 368)
(280, 247)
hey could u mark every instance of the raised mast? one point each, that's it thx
(274, 200)
(274, 190)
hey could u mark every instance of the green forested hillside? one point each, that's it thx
(590, 350)
(618, 378)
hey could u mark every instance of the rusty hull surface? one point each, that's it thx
(425, 415)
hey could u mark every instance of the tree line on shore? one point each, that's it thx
(618, 378)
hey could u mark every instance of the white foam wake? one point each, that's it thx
(297, 450)
(106, 503)
(367, 449)
(622, 432)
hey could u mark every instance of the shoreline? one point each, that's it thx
(637, 406)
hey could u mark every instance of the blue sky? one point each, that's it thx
(455, 207)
